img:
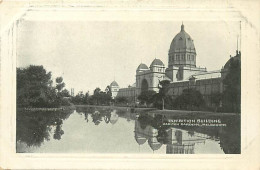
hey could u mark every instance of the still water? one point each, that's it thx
(106, 130)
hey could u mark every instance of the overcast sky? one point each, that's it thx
(90, 54)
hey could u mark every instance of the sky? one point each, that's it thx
(90, 54)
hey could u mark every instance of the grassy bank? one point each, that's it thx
(116, 107)
(192, 113)
(48, 109)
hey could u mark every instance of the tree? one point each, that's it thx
(101, 98)
(163, 89)
(97, 91)
(79, 98)
(122, 100)
(190, 98)
(65, 93)
(86, 98)
(146, 97)
(232, 84)
(216, 99)
(108, 90)
(59, 84)
(34, 87)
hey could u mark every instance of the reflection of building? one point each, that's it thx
(182, 72)
(113, 117)
(148, 133)
(177, 141)
(181, 142)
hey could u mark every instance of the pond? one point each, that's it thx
(108, 130)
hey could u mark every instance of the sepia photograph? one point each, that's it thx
(123, 82)
(81, 88)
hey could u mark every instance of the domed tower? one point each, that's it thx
(157, 66)
(142, 67)
(114, 87)
(182, 50)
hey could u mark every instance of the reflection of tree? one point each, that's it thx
(230, 137)
(58, 132)
(96, 117)
(33, 127)
(162, 134)
(107, 117)
(86, 116)
(99, 113)
(191, 133)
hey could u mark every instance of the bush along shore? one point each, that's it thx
(36, 90)
(72, 107)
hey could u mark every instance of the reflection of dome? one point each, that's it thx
(154, 144)
(114, 83)
(140, 139)
(142, 67)
(182, 42)
(157, 62)
(114, 117)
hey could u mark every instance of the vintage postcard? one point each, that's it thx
(127, 85)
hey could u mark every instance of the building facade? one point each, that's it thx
(182, 72)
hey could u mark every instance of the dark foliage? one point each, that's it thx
(34, 127)
(121, 100)
(98, 98)
(232, 86)
(34, 88)
(190, 99)
(147, 97)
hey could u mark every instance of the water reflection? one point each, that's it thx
(123, 131)
(34, 127)
(98, 114)
(183, 139)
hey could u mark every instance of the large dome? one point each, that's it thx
(182, 42)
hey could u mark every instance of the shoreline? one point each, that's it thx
(146, 110)
(62, 108)
(117, 107)
(167, 112)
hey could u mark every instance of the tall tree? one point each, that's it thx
(232, 84)
(163, 90)
(108, 90)
(34, 87)
(59, 84)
